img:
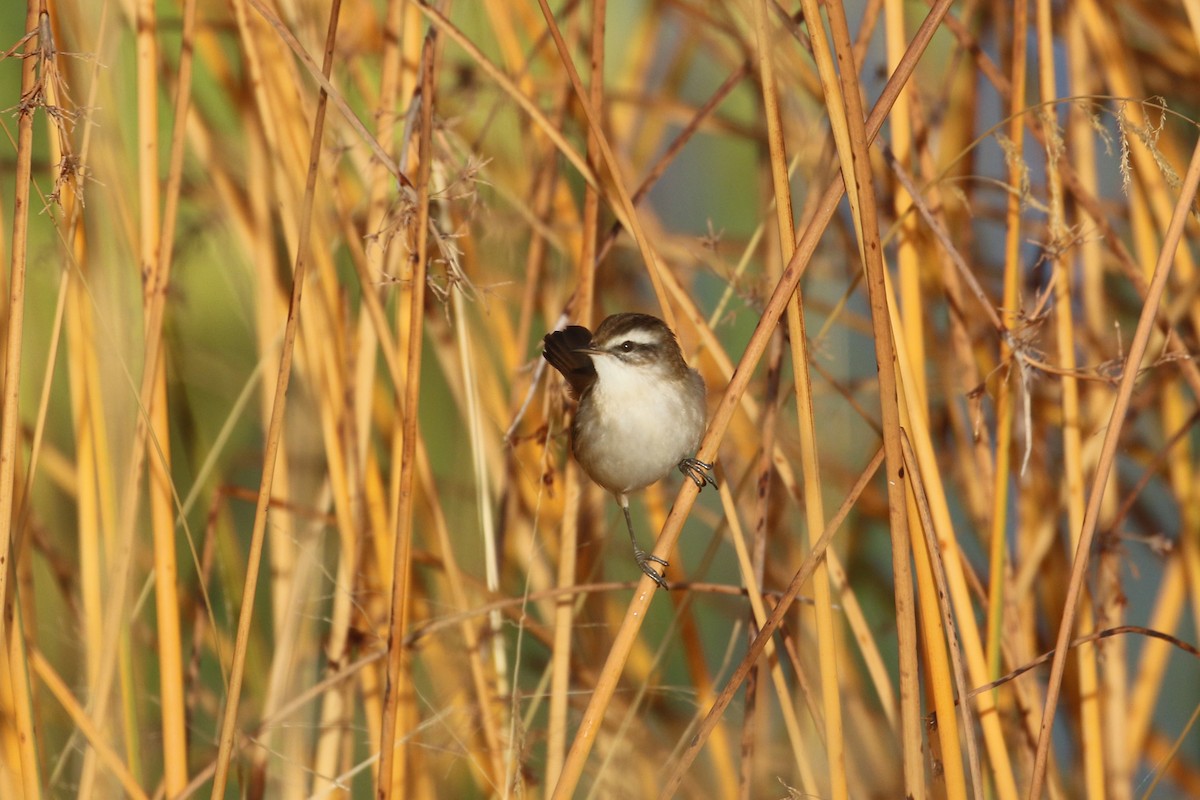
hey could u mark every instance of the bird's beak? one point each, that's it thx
(591, 351)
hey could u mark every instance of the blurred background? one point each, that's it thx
(422, 490)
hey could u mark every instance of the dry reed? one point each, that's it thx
(386, 576)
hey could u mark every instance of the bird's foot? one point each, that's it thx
(699, 472)
(643, 560)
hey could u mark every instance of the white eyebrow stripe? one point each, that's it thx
(637, 336)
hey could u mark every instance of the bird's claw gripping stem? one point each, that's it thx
(700, 472)
(643, 559)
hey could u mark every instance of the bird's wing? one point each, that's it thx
(560, 351)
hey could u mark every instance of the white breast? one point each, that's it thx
(636, 425)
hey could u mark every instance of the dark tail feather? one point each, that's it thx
(561, 351)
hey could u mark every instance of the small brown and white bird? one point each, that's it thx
(641, 408)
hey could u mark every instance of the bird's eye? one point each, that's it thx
(626, 347)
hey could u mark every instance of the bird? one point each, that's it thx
(641, 409)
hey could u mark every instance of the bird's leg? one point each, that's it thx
(641, 556)
(699, 472)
